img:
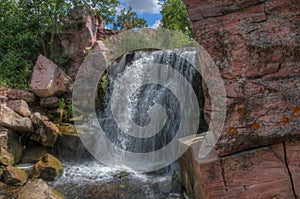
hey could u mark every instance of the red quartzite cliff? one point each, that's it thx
(256, 46)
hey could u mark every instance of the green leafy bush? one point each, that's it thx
(15, 70)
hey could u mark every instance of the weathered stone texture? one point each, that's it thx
(10, 119)
(48, 80)
(15, 94)
(44, 132)
(38, 189)
(257, 173)
(20, 107)
(50, 102)
(255, 44)
(48, 168)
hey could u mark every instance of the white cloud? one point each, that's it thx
(142, 6)
(156, 24)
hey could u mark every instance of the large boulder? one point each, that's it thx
(48, 80)
(44, 132)
(14, 176)
(268, 172)
(255, 45)
(38, 189)
(20, 107)
(48, 168)
(10, 119)
(15, 94)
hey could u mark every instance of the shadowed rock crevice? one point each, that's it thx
(289, 171)
(223, 174)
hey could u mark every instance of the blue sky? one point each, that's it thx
(148, 9)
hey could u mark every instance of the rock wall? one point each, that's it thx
(267, 172)
(85, 32)
(255, 44)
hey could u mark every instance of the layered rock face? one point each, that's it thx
(255, 45)
(85, 33)
(267, 172)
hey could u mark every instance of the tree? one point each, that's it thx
(175, 16)
(19, 45)
(31, 27)
(128, 20)
(49, 16)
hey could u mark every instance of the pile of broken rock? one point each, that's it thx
(27, 133)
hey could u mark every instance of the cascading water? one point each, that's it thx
(98, 181)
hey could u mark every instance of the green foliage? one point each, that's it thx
(176, 177)
(18, 45)
(29, 28)
(149, 39)
(15, 70)
(65, 111)
(128, 20)
(175, 16)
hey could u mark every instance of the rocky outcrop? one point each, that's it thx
(268, 172)
(10, 119)
(255, 45)
(48, 168)
(38, 189)
(48, 80)
(20, 107)
(79, 39)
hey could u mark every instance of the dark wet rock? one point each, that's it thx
(70, 148)
(33, 153)
(48, 168)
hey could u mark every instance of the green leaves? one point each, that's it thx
(128, 20)
(175, 17)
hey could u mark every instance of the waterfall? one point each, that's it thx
(151, 117)
(152, 112)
